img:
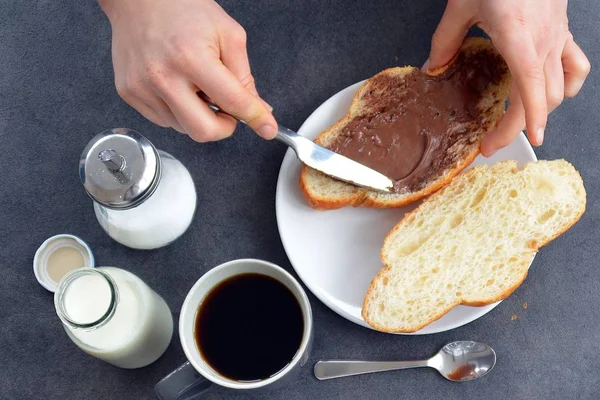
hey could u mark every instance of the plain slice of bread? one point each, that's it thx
(322, 192)
(472, 242)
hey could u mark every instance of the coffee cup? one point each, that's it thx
(231, 314)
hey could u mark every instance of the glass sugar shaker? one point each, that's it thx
(143, 198)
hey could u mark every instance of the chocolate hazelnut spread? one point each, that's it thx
(414, 122)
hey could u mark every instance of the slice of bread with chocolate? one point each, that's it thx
(419, 129)
(471, 242)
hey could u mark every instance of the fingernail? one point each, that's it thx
(267, 131)
(268, 106)
(425, 66)
(539, 136)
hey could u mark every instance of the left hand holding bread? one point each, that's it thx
(533, 37)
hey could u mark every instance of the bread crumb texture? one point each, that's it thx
(472, 242)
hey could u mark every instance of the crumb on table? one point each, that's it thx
(525, 305)
(513, 317)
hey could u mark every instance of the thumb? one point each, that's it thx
(449, 34)
(250, 84)
(236, 60)
(233, 97)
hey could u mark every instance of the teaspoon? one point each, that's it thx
(457, 361)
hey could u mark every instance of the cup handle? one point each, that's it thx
(184, 383)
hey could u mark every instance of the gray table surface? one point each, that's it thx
(56, 92)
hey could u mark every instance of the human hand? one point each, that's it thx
(165, 51)
(533, 37)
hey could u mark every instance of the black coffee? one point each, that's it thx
(249, 327)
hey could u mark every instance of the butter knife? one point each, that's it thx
(327, 161)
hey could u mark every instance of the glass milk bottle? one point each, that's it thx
(113, 315)
(144, 198)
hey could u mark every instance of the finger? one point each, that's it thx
(194, 116)
(576, 67)
(509, 127)
(218, 82)
(235, 57)
(237, 62)
(449, 34)
(555, 79)
(527, 69)
(163, 110)
(135, 100)
(150, 98)
(148, 112)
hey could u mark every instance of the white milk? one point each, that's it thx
(138, 332)
(160, 219)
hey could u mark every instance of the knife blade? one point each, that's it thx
(333, 164)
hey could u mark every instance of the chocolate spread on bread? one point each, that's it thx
(413, 120)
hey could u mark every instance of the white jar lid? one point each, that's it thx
(57, 256)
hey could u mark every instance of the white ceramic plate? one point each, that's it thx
(336, 253)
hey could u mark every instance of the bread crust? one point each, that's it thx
(483, 302)
(362, 197)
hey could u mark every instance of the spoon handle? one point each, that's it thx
(336, 369)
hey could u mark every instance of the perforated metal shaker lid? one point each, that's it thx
(119, 168)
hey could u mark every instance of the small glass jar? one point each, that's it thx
(113, 315)
(144, 198)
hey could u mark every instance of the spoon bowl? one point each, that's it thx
(464, 360)
(459, 361)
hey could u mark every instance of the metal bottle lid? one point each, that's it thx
(119, 168)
